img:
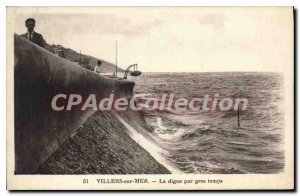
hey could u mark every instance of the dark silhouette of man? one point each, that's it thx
(97, 66)
(31, 35)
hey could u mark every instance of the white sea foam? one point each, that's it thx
(163, 133)
(155, 151)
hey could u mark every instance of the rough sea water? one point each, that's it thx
(212, 142)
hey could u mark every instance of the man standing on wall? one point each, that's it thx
(31, 35)
(97, 66)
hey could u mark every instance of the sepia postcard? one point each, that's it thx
(150, 98)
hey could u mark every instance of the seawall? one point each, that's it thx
(102, 145)
(40, 131)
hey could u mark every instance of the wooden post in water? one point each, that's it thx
(239, 115)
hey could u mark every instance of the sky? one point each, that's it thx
(171, 39)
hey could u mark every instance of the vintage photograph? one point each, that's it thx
(188, 96)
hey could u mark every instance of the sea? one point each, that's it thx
(211, 142)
